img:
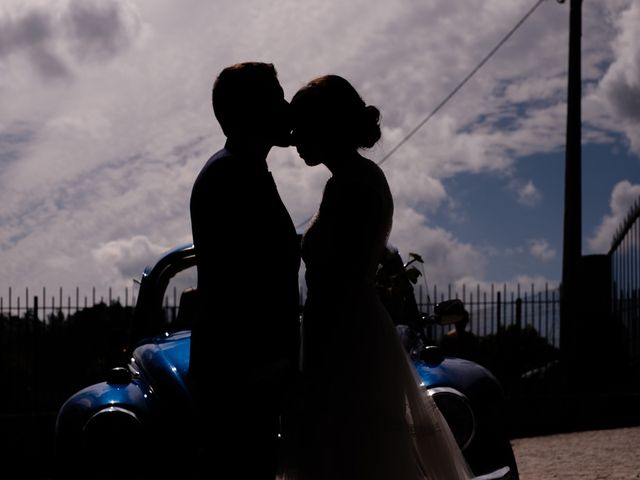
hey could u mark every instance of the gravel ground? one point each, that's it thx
(598, 454)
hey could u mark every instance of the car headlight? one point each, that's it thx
(457, 411)
(111, 426)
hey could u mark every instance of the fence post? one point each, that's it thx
(498, 312)
(35, 367)
(519, 313)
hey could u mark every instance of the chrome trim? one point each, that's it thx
(456, 393)
(453, 391)
(109, 410)
(133, 368)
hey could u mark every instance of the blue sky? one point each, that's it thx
(106, 122)
(499, 224)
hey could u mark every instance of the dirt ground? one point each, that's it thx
(599, 454)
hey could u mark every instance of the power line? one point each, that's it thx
(461, 84)
(453, 92)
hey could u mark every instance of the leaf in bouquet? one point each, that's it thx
(413, 274)
(416, 257)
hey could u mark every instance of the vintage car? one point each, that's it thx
(136, 424)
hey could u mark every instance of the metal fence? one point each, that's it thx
(43, 304)
(625, 273)
(499, 307)
(69, 341)
(490, 309)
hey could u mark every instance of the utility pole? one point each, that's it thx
(572, 240)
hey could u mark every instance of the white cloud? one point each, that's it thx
(52, 36)
(528, 194)
(623, 197)
(446, 259)
(128, 256)
(109, 152)
(615, 103)
(540, 249)
(100, 30)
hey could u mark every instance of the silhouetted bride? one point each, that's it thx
(364, 415)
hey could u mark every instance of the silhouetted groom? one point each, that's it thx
(245, 341)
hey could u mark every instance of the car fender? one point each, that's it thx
(77, 410)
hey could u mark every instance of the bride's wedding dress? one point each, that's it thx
(364, 415)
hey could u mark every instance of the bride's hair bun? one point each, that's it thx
(369, 127)
(331, 101)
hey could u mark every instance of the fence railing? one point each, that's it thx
(70, 341)
(496, 308)
(625, 273)
(45, 302)
(490, 309)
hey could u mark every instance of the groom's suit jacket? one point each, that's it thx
(248, 256)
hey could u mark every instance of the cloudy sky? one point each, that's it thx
(105, 122)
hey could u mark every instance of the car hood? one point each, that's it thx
(164, 362)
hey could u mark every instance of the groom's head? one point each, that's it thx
(249, 104)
